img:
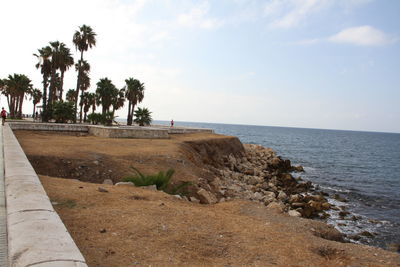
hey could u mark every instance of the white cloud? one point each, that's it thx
(197, 17)
(363, 35)
(291, 13)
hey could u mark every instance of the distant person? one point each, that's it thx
(36, 116)
(3, 115)
(172, 123)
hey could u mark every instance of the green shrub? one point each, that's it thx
(62, 112)
(161, 179)
(143, 117)
(98, 118)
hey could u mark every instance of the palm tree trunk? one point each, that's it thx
(61, 85)
(81, 104)
(21, 101)
(129, 120)
(44, 113)
(77, 86)
(133, 108)
(12, 107)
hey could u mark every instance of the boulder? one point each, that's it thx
(326, 206)
(193, 199)
(294, 213)
(298, 204)
(257, 196)
(124, 183)
(282, 196)
(102, 189)
(277, 207)
(206, 197)
(294, 198)
(298, 168)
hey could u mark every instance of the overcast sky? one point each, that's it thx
(303, 63)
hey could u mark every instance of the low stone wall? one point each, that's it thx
(60, 127)
(183, 130)
(128, 132)
(36, 234)
(153, 132)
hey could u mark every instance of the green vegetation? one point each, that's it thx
(162, 180)
(143, 116)
(63, 111)
(53, 60)
(98, 118)
(134, 93)
(36, 97)
(15, 88)
(83, 39)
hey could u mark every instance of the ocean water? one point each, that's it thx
(363, 167)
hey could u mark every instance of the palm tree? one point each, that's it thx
(143, 116)
(55, 63)
(119, 100)
(106, 93)
(88, 101)
(70, 96)
(134, 93)
(16, 86)
(36, 97)
(83, 39)
(66, 61)
(83, 67)
(44, 63)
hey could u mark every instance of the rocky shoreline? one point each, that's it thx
(260, 175)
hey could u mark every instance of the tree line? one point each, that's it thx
(54, 60)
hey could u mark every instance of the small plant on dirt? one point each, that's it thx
(161, 180)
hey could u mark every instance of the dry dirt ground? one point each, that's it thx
(129, 226)
(94, 159)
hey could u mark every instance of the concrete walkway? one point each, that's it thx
(3, 214)
(36, 236)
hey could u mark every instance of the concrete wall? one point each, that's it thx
(61, 127)
(128, 132)
(36, 234)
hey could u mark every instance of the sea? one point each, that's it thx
(362, 167)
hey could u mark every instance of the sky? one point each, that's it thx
(330, 64)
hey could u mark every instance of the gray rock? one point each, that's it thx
(193, 199)
(124, 183)
(294, 213)
(278, 207)
(177, 196)
(206, 197)
(103, 190)
(282, 196)
(269, 197)
(257, 196)
(294, 198)
(108, 181)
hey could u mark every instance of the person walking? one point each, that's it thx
(3, 115)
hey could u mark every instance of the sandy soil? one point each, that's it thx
(129, 226)
(94, 159)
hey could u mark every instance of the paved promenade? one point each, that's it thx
(3, 222)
